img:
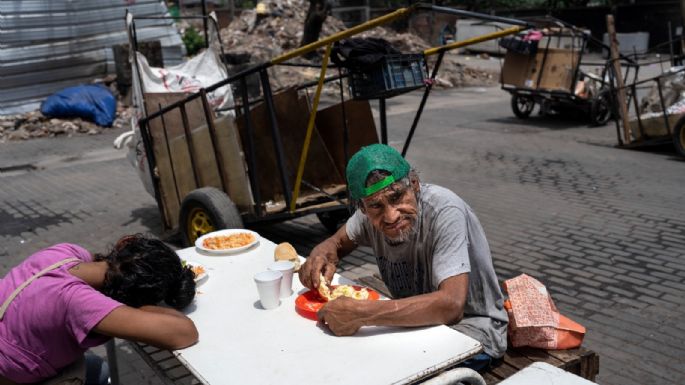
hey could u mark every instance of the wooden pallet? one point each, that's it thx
(580, 361)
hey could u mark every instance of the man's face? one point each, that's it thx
(393, 211)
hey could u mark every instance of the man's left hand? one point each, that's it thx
(341, 316)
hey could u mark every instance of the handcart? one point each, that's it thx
(551, 72)
(278, 155)
(655, 110)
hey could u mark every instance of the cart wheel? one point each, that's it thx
(679, 136)
(601, 109)
(332, 220)
(205, 210)
(522, 106)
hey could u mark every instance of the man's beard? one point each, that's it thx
(405, 234)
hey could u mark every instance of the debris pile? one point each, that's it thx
(34, 125)
(262, 36)
(278, 30)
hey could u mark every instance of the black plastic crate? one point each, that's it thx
(394, 75)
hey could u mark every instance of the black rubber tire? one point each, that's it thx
(679, 136)
(522, 106)
(217, 208)
(332, 220)
(601, 109)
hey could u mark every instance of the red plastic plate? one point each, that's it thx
(308, 304)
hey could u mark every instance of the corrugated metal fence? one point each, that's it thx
(48, 45)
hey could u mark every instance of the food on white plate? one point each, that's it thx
(286, 252)
(340, 291)
(227, 242)
(197, 270)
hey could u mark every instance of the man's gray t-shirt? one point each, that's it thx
(448, 241)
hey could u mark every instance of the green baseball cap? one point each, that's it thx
(368, 159)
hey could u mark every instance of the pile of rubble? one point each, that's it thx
(34, 125)
(266, 35)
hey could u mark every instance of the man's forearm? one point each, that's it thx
(344, 316)
(422, 310)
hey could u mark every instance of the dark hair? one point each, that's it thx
(144, 271)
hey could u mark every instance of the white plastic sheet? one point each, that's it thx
(201, 71)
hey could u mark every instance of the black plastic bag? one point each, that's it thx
(359, 53)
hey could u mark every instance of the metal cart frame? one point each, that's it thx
(338, 205)
(600, 107)
(673, 124)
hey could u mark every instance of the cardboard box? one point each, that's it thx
(523, 71)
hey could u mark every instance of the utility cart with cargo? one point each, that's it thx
(547, 67)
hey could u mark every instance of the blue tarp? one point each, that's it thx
(91, 102)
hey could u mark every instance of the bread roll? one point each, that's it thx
(286, 252)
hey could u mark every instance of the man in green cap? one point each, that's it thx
(430, 249)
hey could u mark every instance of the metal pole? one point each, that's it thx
(276, 135)
(310, 129)
(384, 122)
(612, 89)
(473, 40)
(663, 107)
(346, 131)
(171, 161)
(112, 362)
(218, 156)
(251, 160)
(640, 127)
(151, 162)
(189, 144)
(427, 91)
(204, 22)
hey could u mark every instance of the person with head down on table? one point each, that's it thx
(431, 252)
(62, 301)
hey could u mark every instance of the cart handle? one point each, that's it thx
(474, 40)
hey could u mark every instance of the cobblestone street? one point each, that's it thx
(603, 228)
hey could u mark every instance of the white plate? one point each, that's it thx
(201, 276)
(199, 241)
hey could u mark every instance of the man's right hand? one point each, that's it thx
(312, 269)
(324, 258)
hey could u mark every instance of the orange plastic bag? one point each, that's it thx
(534, 320)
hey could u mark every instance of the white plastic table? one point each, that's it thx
(240, 343)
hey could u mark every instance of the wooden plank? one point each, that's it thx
(504, 370)
(490, 378)
(580, 361)
(517, 360)
(621, 92)
(175, 183)
(360, 126)
(592, 368)
(538, 355)
(290, 110)
(229, 147)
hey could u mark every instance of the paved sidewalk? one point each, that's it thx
(603, 228)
